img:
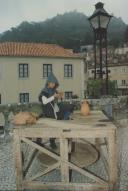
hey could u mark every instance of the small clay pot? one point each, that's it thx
(85, 109)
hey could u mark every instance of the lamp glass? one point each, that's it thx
(104, 20)
(95, 22)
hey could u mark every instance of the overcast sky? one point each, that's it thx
(13, 12)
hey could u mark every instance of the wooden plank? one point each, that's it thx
(40, 132)
(97, 144)
(73, 124)
(50, 168)
(65, 133)
(112, 161)
(104, 159)
(42, 149)
(64, 186)
(18, 160)
(64, 160)
(34, 154)
(85, 173)
(88, 174)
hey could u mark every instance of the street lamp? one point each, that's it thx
(99, 22)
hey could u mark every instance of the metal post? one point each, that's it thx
(95, 54)
(101, 74)
(106, 62)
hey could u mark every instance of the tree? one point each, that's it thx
(70, 30)
(112, 87)
(94, 88)
(126, 35)
(97, 88)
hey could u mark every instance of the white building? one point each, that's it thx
(24, 68)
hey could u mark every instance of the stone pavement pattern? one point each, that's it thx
(123, 158)
(7, 172)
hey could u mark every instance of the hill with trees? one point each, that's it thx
(69, 30)
(126, 35)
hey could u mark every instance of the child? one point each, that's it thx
(49, 97)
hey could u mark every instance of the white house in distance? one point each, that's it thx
(24, 68)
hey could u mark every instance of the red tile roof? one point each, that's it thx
(34, 49)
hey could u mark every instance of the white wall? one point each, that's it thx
(11, 85)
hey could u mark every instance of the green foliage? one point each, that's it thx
(126, 35)
(112, 86)
(94, 88)
(97, 88)
(116, 31)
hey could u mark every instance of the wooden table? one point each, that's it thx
(95, 126)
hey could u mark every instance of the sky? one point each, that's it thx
(13, 12)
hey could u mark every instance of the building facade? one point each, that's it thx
(24, 68)
(117, 73)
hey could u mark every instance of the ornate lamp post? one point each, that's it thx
(99, 22)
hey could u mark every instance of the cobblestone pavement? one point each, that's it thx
(123, 158)
(7, 170)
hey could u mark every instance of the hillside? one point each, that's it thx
(69, 30)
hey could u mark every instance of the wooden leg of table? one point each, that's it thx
(112, 151)
(18, 160)
(97, 143)
(69, 145)
(64, 157)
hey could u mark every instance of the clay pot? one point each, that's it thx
(85, 109)
(23, 118)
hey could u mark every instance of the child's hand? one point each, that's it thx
(61, 94)
(57, 95)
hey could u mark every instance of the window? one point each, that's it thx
(98, 71)
(23, 70)
(123, 82)
(68, 95)
(47, 69)
(24, 97)
(67, 70)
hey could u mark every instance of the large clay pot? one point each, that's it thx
(23, 118)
